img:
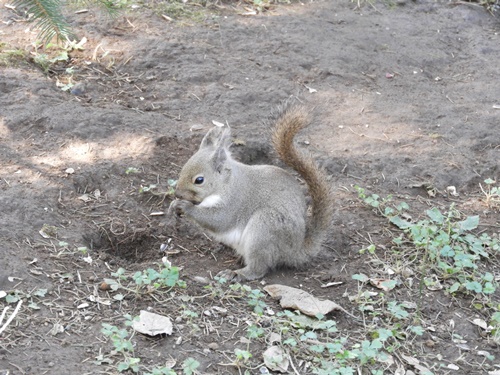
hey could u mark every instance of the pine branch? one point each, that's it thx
(48, 18)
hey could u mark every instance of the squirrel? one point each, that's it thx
(258, 210)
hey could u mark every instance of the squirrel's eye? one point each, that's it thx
(199, 180)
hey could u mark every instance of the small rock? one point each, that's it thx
(201, 280)
(78, 89)
(430, 343)
(213, 346)
(104, 286)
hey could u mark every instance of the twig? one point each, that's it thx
(293, 366)
(3, 313)
(19, 368)
(11, 317)
(367, 136)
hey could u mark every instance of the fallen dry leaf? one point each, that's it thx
(276, 359)
(384, 284)
(152, 324)
(416, 364)
(293, 298)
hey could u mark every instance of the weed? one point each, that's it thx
(32, 297)
(132, 170)
(190, 365)
(491, 193)
(443, 244)
(11, 57)
(147, 189)
(264, 5)
(146, 281)
(121, 340)
(45, 62)
(450, 249)
(495, 324)
(179, 10)
(153, 188)
(242, 357)
(239, 291)
(254, 332)
(253, 296)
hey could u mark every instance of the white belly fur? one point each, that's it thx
(233, 238)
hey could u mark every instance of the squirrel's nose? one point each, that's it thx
(179, 194)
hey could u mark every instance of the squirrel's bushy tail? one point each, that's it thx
(290, 119)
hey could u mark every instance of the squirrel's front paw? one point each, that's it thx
(179, 207)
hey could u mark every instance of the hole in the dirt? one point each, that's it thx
(140, 245)
(87, 182)
(253, 153)
(133, 244)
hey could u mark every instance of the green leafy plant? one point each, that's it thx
(56, 55)
(242, 356)
(153, 189)
(317, 340)
(147, 281)
(132, 170)
(11, 56)
(495, 323)
(181, 10)
(190, 365)
(253, 296)
(450, 249)
(32, 298)
(443, 243)
(121, 340)
(263, 5)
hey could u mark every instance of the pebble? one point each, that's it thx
(78, 89)
(104, 286)
(213, 346)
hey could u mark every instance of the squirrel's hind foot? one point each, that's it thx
(230, 276)
(243, 274)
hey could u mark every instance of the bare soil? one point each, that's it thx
(407, 100)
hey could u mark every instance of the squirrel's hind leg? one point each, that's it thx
(270, 239)
(259, 257)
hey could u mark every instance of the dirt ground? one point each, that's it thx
(407, 100)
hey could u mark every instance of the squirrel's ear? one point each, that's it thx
(219, 158)
(217, 136)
